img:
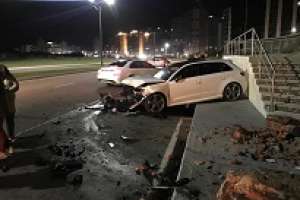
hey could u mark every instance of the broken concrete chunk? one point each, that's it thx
(246, 186)
(240, 135)
(283, 127)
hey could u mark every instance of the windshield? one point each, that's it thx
(120, 63)
(164, 74)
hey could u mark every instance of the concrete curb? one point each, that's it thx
(177, 137)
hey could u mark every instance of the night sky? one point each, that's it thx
(23, 22)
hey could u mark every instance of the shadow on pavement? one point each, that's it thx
(40, 179)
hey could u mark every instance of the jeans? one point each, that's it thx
(10, 125)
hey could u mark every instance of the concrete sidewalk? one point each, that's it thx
(208, 119)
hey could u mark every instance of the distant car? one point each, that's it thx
(159, 61)
(191, 83)
(122, 69)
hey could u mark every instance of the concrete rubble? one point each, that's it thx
(247, 186)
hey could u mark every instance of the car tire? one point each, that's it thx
(232, 92)
(155, 103)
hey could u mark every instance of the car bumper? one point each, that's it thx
(108, 78)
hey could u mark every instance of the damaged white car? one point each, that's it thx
(192, 83)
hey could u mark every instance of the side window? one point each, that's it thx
(187, 72)
(140, 65)
(213, 68)
(136, 65)
(148, 65)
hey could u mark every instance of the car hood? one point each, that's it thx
(139, 81)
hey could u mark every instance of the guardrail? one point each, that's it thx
(250, 44)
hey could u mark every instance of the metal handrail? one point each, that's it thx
(238, 46)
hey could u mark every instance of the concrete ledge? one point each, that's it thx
(209, 117)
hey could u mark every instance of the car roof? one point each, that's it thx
(228, 62)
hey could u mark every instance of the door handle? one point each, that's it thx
(199, 82)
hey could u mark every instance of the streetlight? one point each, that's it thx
(97, 4)
(167, 46)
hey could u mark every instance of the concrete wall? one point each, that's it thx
(254, 95)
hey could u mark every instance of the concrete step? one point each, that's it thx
(274, 59)
(285, 107)
(295, 83)
(282, 90)
(287, 114)
(276, 66)
(279, 71)
(287, 76)
(281, 98)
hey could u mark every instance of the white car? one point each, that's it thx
(195, 82)
(122, 69)
(159, 61)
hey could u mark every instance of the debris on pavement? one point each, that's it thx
(271, 160)
(75, 179)
(56, 122)
(129, 140)
(66, 158)
(65, 167)
(246, 186)
(112, 145)
(284, 127)
(182, 182)
(98, 106)
(241, 135)
(148, 170)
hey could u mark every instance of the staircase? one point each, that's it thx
(277, 79)
(286, 96)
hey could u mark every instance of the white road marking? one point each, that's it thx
(48, 66)
(63, 85)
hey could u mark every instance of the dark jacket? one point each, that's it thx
(10, 92)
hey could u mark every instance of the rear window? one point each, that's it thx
(119, 63)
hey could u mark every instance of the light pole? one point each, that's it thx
(97, 4)
(167, 46)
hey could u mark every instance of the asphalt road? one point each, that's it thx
(40, 100)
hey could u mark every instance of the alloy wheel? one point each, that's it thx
(232, 92)
(155, 103)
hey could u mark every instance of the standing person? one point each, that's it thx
(11, 87)
(3, 107)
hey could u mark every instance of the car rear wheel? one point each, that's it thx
(232, 92)
(155, 103)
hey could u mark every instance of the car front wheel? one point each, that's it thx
(155, 103)
(232, 92)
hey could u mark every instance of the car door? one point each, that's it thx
(214, 74)
(185, 86)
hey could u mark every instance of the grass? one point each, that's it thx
(54, 72)
(26, 62)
